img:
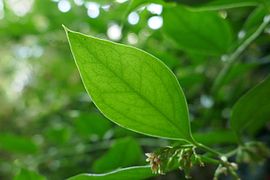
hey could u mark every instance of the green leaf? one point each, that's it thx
(58, 135)
(255, 18)
(200, 32)
(25, 174)
(225, 4)
(88, 124)
(252, 23)
(18, 144)
(237, 70)
(131, 87)
(251, 111)
(131, 173)
(216, 137)
(123, 153)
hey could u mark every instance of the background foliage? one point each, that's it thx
(50, 129)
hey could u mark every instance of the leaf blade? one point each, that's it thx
(123, 153)
(18, 144)
(25, 174)
(216, 137)
(200, 32)
(125, 74)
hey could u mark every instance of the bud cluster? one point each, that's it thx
(183, 157)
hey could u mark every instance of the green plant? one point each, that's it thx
(217, 50)
(137, 91)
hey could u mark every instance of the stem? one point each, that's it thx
(206, 159)
(231, 153)
(222, 159)
(207, 149)
(234, 174)
(234, 56)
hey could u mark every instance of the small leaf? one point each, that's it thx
(88, 124)
(199, 32)
(18, 144)
(131, 173)
(252, 23)
(25, 174)
(123, 153)
(131, 87)
(57, 135)
(255, 18)
(252, 110)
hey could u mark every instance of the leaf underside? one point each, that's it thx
(131, 87)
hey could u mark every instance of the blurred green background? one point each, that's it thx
(48, 125)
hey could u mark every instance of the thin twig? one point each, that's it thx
(234, 56)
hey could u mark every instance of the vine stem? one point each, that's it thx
(234, 56)
(206, 159)
(231, 153)
(222, 159)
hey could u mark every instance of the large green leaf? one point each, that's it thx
(252, 110)
(200, 32)
(131, 87)
(123, 153)
(132, 173)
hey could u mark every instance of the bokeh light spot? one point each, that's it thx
(79, 2)
(133, 18)
(64, 6)
(20, 7)
(132, 38)
(2, 12)
(114, 32)
(155, 9)
(121, 1)
(155, 22)
(92, 9)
